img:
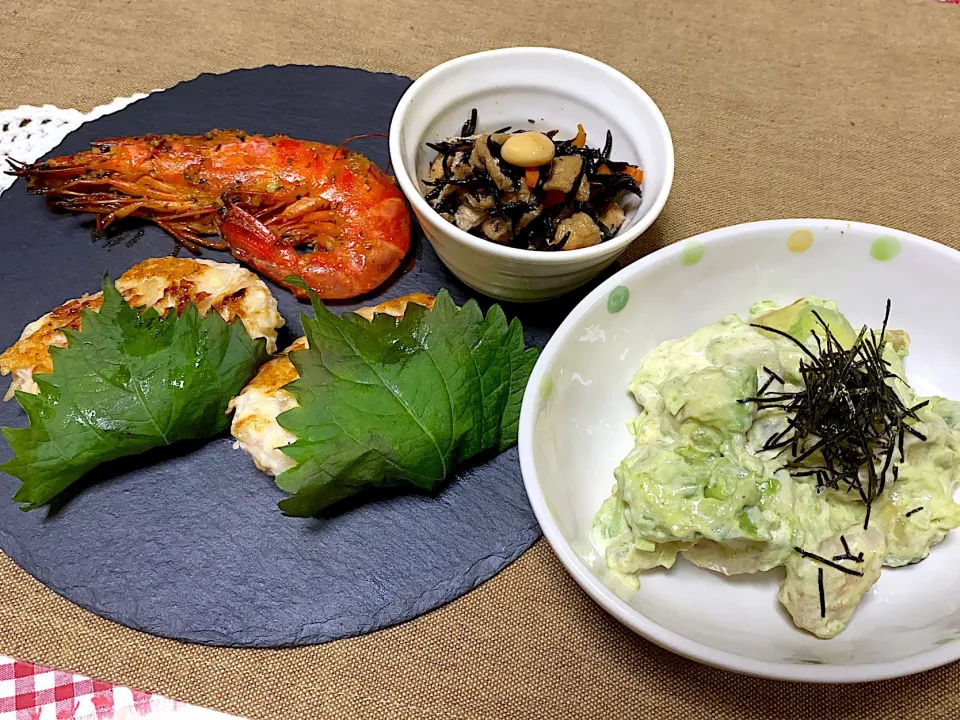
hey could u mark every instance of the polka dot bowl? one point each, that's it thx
(557, 89)
(573, 434)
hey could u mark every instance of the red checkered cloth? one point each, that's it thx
(35, 692)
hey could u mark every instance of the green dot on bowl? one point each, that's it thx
(691, 253)
(885, 248)
(617, 299)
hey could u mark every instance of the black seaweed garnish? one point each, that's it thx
(847, 423)
(828, 563)
(823, 599)
(847, 555)
(771, 376)
(915, 510)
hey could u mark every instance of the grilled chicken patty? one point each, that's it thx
(160, 283)
(256, 408)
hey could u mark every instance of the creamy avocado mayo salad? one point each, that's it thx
(789, 439)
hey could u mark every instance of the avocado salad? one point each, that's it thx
(789, 439)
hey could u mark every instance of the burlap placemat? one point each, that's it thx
(824, 109)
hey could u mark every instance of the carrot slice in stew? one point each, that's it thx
(581, 139)
(553, 197)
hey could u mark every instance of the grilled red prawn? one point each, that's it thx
(282, 206)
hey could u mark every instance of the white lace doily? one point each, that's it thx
(29, 132)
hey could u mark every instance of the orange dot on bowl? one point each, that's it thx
(800, 241)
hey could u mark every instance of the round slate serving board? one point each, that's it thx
(188, 543)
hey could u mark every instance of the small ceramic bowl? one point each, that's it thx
(556, 89)
(573, 434)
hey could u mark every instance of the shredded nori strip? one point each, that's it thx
(828, 563)
(847, 555)
(823, 599)
(848, 421)
(915, 510)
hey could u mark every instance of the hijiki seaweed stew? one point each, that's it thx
(528, 190)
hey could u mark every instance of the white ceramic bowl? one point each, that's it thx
(556, 89)
(573, 434)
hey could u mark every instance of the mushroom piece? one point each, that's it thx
(482, 203)
(583, 192)
(563, 172)
(446, 192)
(528, 217)
(526, 194)
(481, 158)
(612, 216)
(468, 216)
(461, 166)
(582, 229)
(475, 160)
(523, 195)
(436, 168)
(497, 229)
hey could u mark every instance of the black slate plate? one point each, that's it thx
(188, 543)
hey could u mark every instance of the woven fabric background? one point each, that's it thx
(828, 108)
